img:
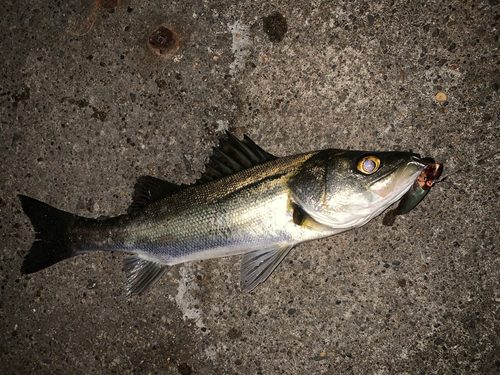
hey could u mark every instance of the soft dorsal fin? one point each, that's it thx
(150, 189)
(231, 156)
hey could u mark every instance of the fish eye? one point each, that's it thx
(369, 164)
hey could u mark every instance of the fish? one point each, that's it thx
(247, 202)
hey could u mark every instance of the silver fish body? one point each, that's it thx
(252, 204)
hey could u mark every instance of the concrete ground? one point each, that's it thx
(84, 113)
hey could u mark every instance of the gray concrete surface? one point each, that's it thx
(82, 116)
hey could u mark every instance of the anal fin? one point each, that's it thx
(256, 266)
(141, 274)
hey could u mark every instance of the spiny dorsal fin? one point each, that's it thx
(232, 156)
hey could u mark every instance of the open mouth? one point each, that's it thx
(419, 189)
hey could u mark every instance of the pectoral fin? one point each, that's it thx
(141, 274)
(258, 265)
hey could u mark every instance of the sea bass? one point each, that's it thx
(247, 202)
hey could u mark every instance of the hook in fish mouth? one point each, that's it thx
(419, 189)
(429, 175)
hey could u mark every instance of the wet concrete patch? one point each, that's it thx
(275, 26)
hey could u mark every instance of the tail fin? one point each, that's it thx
(52, 241)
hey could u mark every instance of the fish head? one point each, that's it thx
(345, 189)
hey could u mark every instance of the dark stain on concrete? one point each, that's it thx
(275, 26)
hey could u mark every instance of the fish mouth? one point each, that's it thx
(402, 176)
(417, 191)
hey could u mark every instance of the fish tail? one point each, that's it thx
(52, 239)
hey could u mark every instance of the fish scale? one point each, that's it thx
(208, 222)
